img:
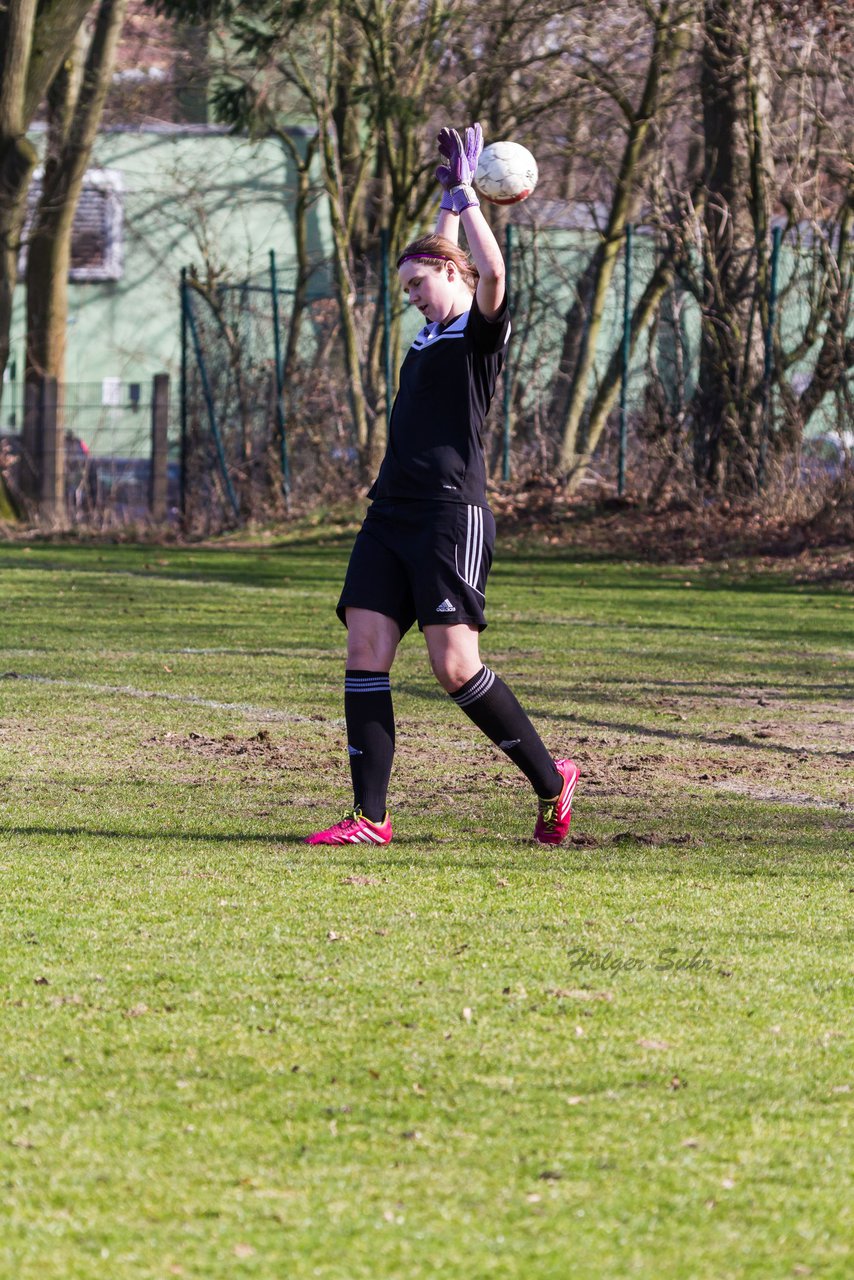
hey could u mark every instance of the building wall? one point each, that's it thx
(193, 197)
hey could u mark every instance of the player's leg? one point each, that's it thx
(463, 541)
(485, 698)
(372, 640)
(376, 607)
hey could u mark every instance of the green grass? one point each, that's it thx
(229, 1054)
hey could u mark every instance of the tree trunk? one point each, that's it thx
(17, 156)
(345, 289)
(75, 118)
(17, 162)
(34, 40)
(728, 405)
(608, 390)
(76, 104)
(302, 200)
(575, 325)
(643, 314)
(836, 352)
(666, 44)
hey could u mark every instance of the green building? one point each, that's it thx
(158, 199)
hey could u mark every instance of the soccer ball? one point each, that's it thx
(507, 173)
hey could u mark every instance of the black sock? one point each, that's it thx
(495, 710)
(370, 738)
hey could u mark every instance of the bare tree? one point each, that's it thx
(35, 38)
(583, 323)
(657, 109)
(759, 63)
(360, 72)
(75, 103)
(816, 191)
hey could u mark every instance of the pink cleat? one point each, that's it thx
(354, 828)
(555, 815)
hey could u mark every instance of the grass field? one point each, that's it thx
(228, 1054)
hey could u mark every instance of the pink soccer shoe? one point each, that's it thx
(555, 815)
(354, 828)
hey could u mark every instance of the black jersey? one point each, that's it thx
(447, 381)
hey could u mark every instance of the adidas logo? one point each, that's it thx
(446, 607)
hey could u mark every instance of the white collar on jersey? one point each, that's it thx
(435, 333)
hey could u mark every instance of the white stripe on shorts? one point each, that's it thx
(473, 559)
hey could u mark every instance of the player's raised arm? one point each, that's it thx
(447, 219)
(448, 225)
(460, 201)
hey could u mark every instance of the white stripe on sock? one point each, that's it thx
(483, 683)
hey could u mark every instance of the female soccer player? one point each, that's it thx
(425, 548)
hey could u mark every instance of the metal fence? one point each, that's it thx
(95, 454)
(251, 441)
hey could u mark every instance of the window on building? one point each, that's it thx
(97, 233)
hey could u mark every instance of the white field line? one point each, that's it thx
(208, 584)
(774, 796)
(188, 699)
(206, 652)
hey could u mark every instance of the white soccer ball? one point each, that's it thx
(507, 173)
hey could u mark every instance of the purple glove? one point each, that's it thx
(458, 174)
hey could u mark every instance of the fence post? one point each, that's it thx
(182, 498)
(207, 393)
(53, 455)
(43, 460)
(624, 359)
(767, 400)
(31, 441)
(280, 385)
(507, 404)
(159, 475)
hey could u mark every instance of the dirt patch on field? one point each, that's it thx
(789, 755)
(754, 719)
(259, 745)
(258, 749)
(766, 746)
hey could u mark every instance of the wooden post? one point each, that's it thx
(43, 455)
(30, 477)
(53, 456)
(159, 479)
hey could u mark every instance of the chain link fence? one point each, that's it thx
(257, 440)
(260, 423)
(95, 454)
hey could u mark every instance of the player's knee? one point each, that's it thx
(448, 671)
(364, 656)
(370, 648)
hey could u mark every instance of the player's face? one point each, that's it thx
(430, 289)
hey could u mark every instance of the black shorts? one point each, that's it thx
(421, 561)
